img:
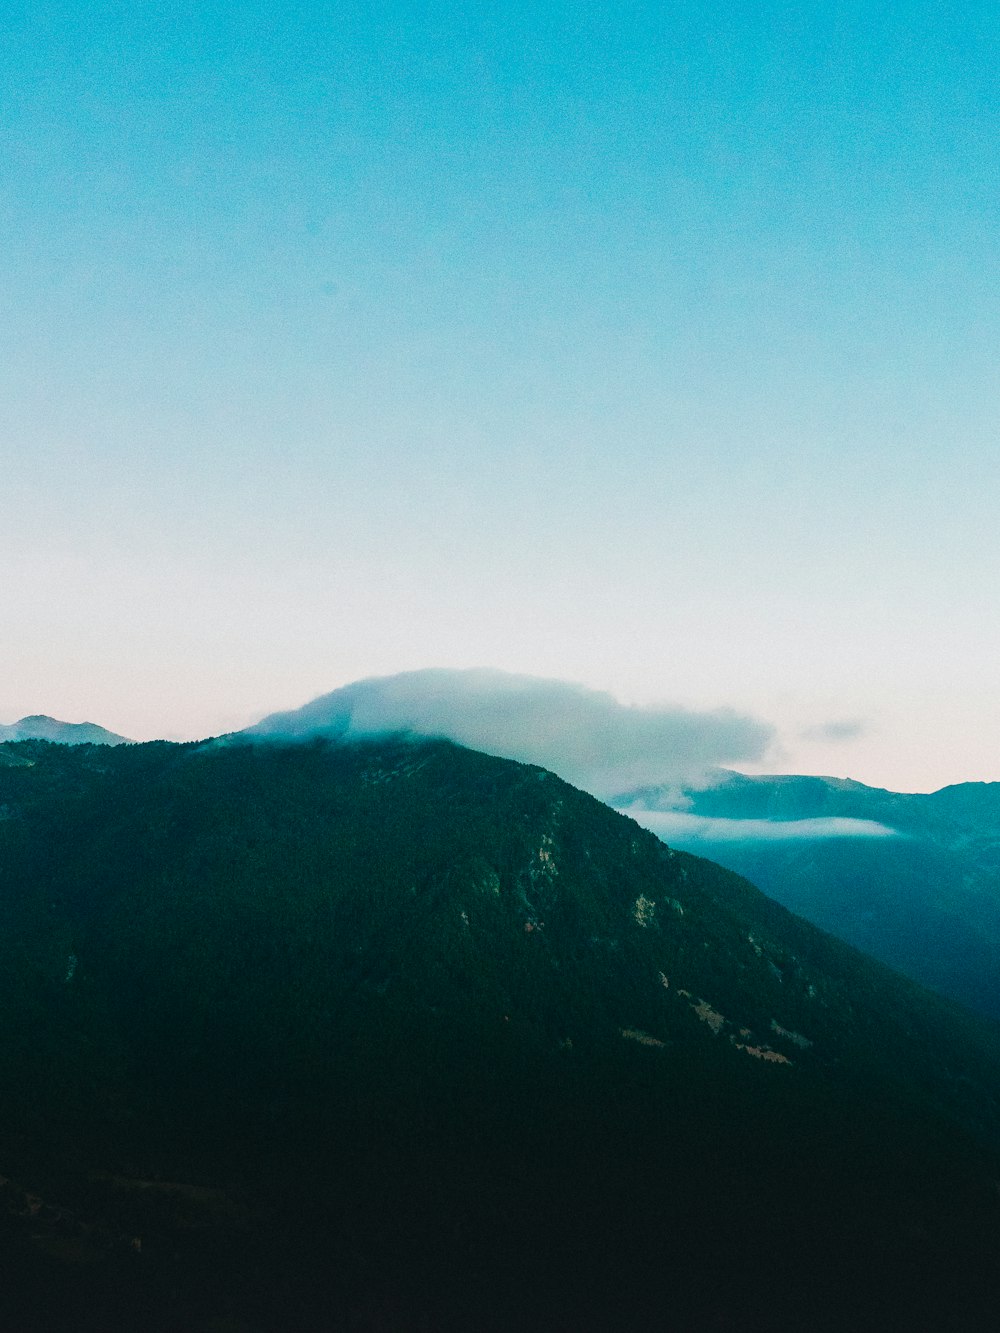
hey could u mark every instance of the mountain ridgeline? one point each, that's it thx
(399, 1035)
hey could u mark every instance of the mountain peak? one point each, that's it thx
(41, 727)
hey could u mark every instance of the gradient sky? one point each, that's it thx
(652, 346)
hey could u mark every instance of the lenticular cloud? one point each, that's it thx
(584, 735)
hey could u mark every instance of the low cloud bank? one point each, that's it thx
(677, 827)
(584, 735)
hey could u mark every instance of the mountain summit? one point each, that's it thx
(39, 727)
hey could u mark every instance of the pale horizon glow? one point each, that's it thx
(646, 348)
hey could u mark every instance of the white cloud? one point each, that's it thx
(677, 826)
(584, 735)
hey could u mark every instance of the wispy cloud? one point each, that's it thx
(678, 827)
(584, 735)
(843, 729)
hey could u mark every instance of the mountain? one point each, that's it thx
(924, 896)
(397, 1035)
(41, 728)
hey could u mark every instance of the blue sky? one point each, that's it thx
(646, 346)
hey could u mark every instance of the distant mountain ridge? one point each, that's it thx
(947, 811)
(40, 727)
(926, 901)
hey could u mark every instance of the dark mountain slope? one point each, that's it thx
(403, 1036)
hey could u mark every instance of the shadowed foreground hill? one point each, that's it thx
(401, 1036)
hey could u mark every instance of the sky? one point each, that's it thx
(649, 347)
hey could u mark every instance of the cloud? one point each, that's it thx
(677, 827)
(846, 729)
(584, 735)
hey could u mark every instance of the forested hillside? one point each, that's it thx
(398, 1035)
